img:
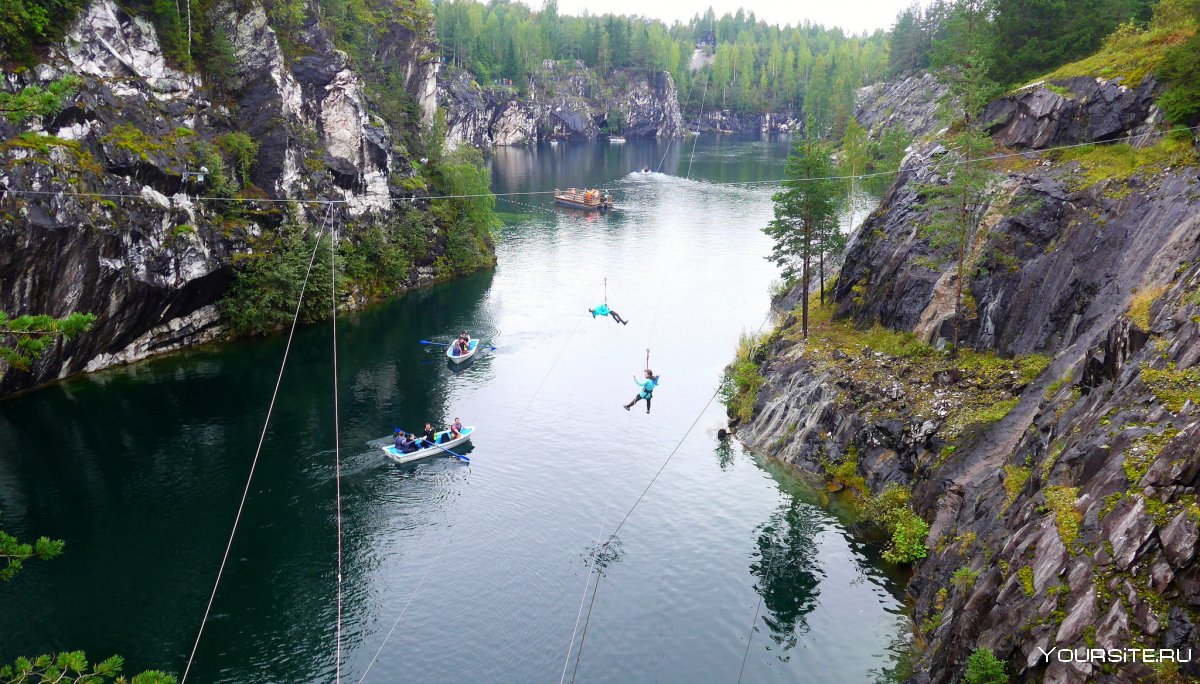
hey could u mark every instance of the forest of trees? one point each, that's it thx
(1025, 38)
(749, 66)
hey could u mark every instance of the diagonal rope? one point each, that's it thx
(404, 610)
(592, 569)
(337, 444)
(257, 451)
(699, 121)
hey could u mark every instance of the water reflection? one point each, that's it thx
(789, 577)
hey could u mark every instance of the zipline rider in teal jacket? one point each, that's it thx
(647, 386)
(603, 310)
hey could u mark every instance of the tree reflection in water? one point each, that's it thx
(788, 573)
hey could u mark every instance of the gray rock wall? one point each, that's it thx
(566, 102)
(149, 256)
(1104, 528)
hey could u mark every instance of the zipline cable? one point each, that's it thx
(776, 181)
(699, 120)
(257, 451)
(404, 610)
(337, 444)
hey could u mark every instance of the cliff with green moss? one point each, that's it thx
(182, 183)
(1051, 469)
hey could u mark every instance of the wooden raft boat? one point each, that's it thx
(588, 200)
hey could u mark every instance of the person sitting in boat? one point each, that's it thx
(409, 444)
(462, 345)
(603, 310)
(646, 169)
(647, 391)
(456, 429)
(429, 436)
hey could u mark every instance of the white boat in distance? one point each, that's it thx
(616, 139)
(398, 456)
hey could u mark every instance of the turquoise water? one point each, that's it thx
(140, 469)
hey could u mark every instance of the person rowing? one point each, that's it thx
(429, 435)
(647, 392)
(455, 429)
(603, 310)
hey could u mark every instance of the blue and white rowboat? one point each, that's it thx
(398, 456)
(455, 357)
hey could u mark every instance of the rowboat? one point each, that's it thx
(398, 456)
(455, 357)
(616, 139)
(588, 200)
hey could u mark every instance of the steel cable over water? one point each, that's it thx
(258, 450)
(776, 181)
(508, 438)
(337, 445)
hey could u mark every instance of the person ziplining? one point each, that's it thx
(603, 309)
(647, 392)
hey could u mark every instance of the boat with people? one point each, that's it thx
(588, 200)
(457, 355)
(427, 450)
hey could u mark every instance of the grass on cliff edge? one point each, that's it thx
(1130, 54)
(894, 371)
(1121, 161)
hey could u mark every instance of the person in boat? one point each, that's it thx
(462, 345)
(603, 310)
(647, 392)
(646, 169)
(456, 429)
(409, 444)
(429, 435)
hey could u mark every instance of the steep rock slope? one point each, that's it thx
(566, 101)
(1061, 485)
(151, 255)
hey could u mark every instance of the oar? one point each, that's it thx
(460, 457)
(446, 344)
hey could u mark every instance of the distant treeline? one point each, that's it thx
(745, 64)
(1027, 38)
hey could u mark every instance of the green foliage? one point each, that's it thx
(1015, 478)
(1131, 53)
(469, 218)
(1172, 386)
(267, 285)
(1139, 306)
(243, 152)
(742, 380)
(1031, 366)
(33, 101)
(1181, 71)
(1061, 500)
(1118, 162)
(14, 553)
(964, 578)
(378, 261)
(26, 25)
(1025, 577)
(805, 225)
(983, 667)
(754, 66)
(24, 338)
(907, 531)
(72, 667)
(953, 207)
(1138, 457)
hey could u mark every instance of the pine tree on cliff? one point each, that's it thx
(805, 215)
(954, 206)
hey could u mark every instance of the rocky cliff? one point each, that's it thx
(104, 207)
(910, 103)
(1057, 461)
(564, 101)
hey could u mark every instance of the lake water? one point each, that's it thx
(477, 572)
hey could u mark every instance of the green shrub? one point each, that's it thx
(983, 667)
(1015, 478)
(1173, 387)
(1025, 577)
(964, 577)
(741, 380)
(243, 153)
(907, 531)
(267, 286)
(1061, 500)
